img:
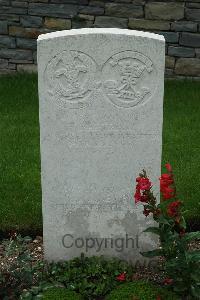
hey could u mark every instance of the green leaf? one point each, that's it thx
(163, 220)
(155, 230)
(195, 291)
(191, 236)
(194, 256)
(156, 252)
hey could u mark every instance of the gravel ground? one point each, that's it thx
(35, 248)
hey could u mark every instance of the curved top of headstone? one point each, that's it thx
(116, 31)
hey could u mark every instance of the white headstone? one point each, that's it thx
(101, 105)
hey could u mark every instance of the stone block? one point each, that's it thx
(170, 37)
(9, 18)
(181, 51)
(169, 73)
(4, 2)
(12, 66)
(57, 23)
(197, 51)
(3, 63)
(25, 32)
(148, 24)
(169, 62)
(86, 17)
(110, 22)
(26, 43)
(16, 54)
(97, 3)
(91, 10)
(164, 10)
(193, 5)
(3, 27)
(81, 23)
(79, 2)
(7, 41)
(101, 107)
(42, 1)
(188, 66)
(29, 68)
(13, 10)
(124, 10)
(31, 21)
(184, 26)
(19, 4)
(192, 14)
(35, 57)
(53, 10)
(190, 39)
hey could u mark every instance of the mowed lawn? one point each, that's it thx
(20, 188)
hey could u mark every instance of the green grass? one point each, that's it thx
(20, 190)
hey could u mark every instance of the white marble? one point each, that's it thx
(101, 106)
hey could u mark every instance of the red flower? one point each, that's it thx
(121, 277)
(137, 196)
(168, 167)
(158, 298)
(168, 193)
(144, 184)
(173, 208)
(165, 181)
(167, 281)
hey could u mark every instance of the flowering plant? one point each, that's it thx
(182, 265)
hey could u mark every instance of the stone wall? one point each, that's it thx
(22, 21)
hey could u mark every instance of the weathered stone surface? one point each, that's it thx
(169, 62)
(57, 23)
(81, 23)
(16, 54)
(170, 37)
(19, 4)
(53, 10)
(169, 73)
(25, 32)
(30, 68)
(164, 10)
(188, 66)
(9, 18)
(4, 2)
(31, 21)
(193, 5)
(110, 22)
(86, 17)
(124, 10)
(184, 26)
(35, 57)
(80, 2)
(91, 10)
(12, 66)
(97, 3)
(26, 43)
(197, 51)
(190, 39)
(3, 63)
(43, 1)
(13, 10)
(3, 27)
(181, 51)
(7, 41)
(192, 14)
(99, 127)
(148, 24)
(20, 61)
